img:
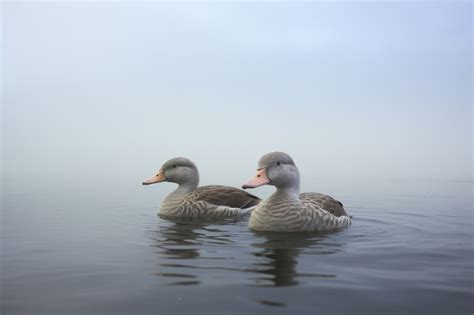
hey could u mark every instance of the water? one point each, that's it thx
(69, 249)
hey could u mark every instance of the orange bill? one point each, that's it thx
(158, 178)
(259, 179)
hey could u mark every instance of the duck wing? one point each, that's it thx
(225, 196)
(325, 202)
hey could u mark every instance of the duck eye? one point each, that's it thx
(174, 166)
(278, 163)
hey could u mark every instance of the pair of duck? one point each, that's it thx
(285, 210)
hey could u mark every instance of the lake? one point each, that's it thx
(72, 249)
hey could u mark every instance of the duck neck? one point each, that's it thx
(188, 184)
(185, 188)
(291, 192)
(288, 188)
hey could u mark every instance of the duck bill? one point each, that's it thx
(158, 178)
(260, 179)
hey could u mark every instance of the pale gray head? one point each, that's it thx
(277, 169)
(179, 170)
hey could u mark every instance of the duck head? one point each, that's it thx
(277, 169)
(179, 170)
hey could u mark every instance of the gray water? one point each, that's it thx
(72, 249)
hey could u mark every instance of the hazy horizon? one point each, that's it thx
(353, 91)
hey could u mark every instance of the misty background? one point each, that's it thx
(96, 96)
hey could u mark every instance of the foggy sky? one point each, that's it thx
(351, 90)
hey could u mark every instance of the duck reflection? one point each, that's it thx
(277, 256)
(191, 249)
(179, 239)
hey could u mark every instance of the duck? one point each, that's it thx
(189, 200)
(286, 210)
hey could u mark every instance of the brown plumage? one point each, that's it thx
(224, 196)
(325, 202)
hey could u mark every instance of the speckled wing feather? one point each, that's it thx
(325, 202)
(224, 196)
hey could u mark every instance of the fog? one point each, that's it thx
(102, 93)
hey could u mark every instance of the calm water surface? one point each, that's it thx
(73, 250)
